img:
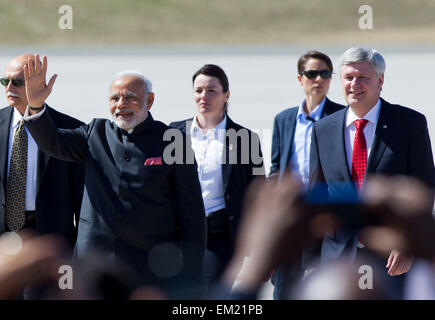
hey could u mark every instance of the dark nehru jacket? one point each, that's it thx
(134, 209)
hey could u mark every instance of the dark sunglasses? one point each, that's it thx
(312, 74)
(15, 82)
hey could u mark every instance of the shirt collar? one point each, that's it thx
(315, 114)
(372, 116)
(16, 118)
(195, 128)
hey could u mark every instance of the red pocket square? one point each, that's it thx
(153, 161)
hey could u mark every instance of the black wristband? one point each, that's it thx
(36, 109)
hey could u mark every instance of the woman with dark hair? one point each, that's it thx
(228, 158)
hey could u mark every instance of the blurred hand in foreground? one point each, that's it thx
(403, 207)
(27, 260)
(274, 228)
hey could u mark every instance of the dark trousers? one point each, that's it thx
(218, 253)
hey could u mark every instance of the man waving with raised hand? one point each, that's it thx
(143, 214)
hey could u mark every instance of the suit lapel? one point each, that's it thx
(337, 129)
(228, 154)
(378, 145)
(42, 166)
(289, 133)
(5, 126)
(185, 128)
(42, 163)
(326, 109)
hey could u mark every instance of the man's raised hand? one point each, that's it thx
(35, 80)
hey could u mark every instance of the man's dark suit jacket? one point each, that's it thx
(284, 127)
(134, 213)
(237, 171)
(401, 146)
(59, 184)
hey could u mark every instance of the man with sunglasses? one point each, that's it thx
(292, 137)
(371, 136)
(38, 192)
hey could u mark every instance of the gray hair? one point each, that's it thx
(361, 54)
(148, 86)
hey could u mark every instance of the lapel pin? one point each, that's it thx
(231, 146)
(385, 126)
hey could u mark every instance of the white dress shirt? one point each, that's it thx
(369, 133)
(369, 130)
(32, 159)
(208, 149)
(300, 153)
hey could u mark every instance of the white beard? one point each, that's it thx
(126, 125)
(129, 125)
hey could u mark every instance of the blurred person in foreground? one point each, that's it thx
(138, 211)
(291, 138)
(278, 224)
(229, 157)
(39, 192)
(370, 136)
(29, 260)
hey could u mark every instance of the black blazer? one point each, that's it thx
(129, 207)
(283, 133)
(401, 146)
(237, 171)
(59, 184)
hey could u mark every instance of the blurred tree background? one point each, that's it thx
(141, 22)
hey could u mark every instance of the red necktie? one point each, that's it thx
(359, 154)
